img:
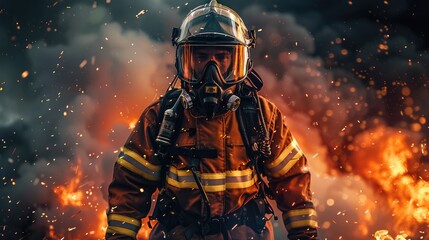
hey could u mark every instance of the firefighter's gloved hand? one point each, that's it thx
(303, 234)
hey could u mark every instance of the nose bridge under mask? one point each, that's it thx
(213, 95)
(212, 74)
(210, 90)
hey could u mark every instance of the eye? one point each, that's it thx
(201, 57)
(223, 56)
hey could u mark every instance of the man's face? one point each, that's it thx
(222, 56)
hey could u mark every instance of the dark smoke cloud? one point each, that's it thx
(92, 68)
(72, 112)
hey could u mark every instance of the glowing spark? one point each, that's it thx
(71, 195)
(25, 74)
(141, 13)
(83, 63)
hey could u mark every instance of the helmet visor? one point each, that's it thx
(231, 60)
(217, 20)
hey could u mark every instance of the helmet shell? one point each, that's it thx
(213, 25)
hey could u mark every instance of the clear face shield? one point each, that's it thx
(231, 60)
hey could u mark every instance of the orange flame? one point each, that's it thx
(71, 195)
(387, 159)
(384, 235)
(80, 199)
(132, 124)
(144, 230)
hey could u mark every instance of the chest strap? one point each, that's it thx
(192, 152)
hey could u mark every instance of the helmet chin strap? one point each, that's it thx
(209, 97)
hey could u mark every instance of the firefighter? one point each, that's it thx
(210, 146)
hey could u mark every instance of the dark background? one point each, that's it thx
(379, 48)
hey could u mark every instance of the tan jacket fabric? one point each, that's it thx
(228, 180)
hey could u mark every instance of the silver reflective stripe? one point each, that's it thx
(212, 182)
(139, 165)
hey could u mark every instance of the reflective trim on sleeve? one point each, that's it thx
(123, 225)
(137, 164)
(301, 218)
(212, 182)
(286, 160)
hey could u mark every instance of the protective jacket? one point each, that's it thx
(229, 181)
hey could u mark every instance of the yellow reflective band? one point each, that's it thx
(234, 173)
(137, 164)
(132, 168)
(207, 177)
(301, 218)
(216, 188)
(123, 231)
(303, 223)
(284, 154)
(239, 173)
(299, 212)
(288, 166)
(242, 184)
(141, 160)
(122, 218)
(181, 173)
(212, 176)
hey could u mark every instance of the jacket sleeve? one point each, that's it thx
(289, 180)
(135, 178)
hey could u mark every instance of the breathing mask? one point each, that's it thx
(211, 96)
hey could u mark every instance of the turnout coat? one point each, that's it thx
(228, 180)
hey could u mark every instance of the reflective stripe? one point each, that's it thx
(212, 182)
(301, 218)
(282, 164)
(123, 225)
(137, 164)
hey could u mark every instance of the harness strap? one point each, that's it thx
(193, 152)
(256, 141)
(202, 192)
(251, 215)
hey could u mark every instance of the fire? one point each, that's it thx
(387, 160)
(71, 195)
(384, 235)
(132, 124)
(82, 209)
(144, 230)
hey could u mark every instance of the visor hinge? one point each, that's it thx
(252, 34)
(175, 35)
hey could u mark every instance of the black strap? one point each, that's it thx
(252, 215)
(255, 137)
(193, 152)
(246, 118)
(203, 194)
(255, 80)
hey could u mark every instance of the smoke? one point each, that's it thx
(332, 108)
(68, 123)
(71, 91)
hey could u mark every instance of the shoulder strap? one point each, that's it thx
(256, 140)
(252, 127)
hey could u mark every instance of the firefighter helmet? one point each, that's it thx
(213, 26)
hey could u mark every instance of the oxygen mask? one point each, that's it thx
(212, 96)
